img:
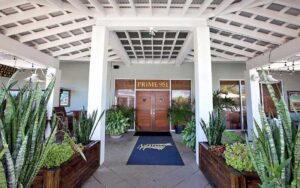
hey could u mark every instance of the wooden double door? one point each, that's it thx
(152, 111)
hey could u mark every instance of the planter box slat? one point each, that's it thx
(73, 173)
(219, 174)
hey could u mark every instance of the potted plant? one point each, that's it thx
(180, 113)
(116, 123)
(189, 134)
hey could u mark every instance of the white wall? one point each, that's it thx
(75, 76)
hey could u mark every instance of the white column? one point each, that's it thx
(253, 100)
(203, 81)
(98, 81)
(54, 98)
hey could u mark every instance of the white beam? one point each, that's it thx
(245, 32)
(71, 49)
(26, 15)
(27, 53)
(282, 52)
(152, 61)
(289, 3)
(162, 23)
(224, 4)
(185, 49)
(238, 42)
(41, 24)
(186, 6)
(237, 6)
(261, 24)
(98, 6)
(204, 6)
(80, 6)
(131, 2)
(116, 44)
(168, 6)
(64, 41)
(233, 58)
(232, 49)
(11, 3)
(115, 6)
(56, 30)
(274, 15)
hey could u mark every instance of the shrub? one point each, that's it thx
(189, 134)
(237, 156)
(58, 154)
(232, 137)
(214, 128)
(116, 122)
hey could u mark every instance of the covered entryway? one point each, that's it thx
(152, 111)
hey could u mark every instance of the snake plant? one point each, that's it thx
(214, 128)
(83, 127)
(22, 128)
(275, 151)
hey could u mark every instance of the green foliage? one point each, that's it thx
(180, 112)
(58, 154)
(219, 103)
(116, 122)
(275, 148)
(128, 113)
(237, 156)
(2, 173)
(230, 137)
(214, 128)
(84, 126)
(189, 134)
(22, 128)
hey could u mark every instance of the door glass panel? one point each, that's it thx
(231, 90)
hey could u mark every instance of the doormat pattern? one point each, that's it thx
(155, 150)
(152, 134)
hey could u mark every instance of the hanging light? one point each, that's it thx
(34, 78)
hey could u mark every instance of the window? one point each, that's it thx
(236, 116)
(181, 88)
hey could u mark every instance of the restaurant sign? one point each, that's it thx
(152, 84)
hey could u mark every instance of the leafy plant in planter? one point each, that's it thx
(83, 127)
(128, 113)
(180, 113)
(189, 134)
(275, 151)
(58, 154)
(237, 156)
(116, 123)
(22, 128)
(230, 137)
(214, 130)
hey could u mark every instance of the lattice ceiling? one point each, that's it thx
(240, 30)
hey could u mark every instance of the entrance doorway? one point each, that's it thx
(152, 111)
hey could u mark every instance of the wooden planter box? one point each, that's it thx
(219, 174)
(73, 173)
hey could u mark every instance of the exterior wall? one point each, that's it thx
(75, 77)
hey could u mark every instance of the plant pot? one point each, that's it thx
(115, 136)
(179, 128)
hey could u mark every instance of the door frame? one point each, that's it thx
(135, 90)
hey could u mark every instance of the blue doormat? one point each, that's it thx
(155, 150)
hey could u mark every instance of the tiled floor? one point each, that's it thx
(116, 174)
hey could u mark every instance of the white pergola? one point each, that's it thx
(257, 32)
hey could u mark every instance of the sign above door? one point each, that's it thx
(152, 84)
